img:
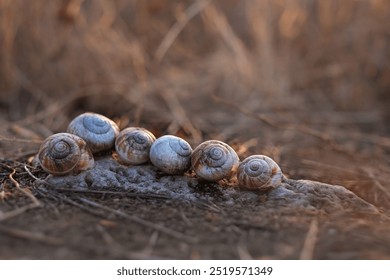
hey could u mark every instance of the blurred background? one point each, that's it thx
(303, 81)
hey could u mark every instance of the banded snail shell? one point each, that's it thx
(133, 145)
(214, 160)
(97, 130)
(259, 172)
(171, 154)
(65, 153)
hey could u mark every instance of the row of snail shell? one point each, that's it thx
(65, 153)
(213, 161)
(90, 133)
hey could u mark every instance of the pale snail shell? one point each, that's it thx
(133, 145)
(65, 153)
(214, 160)
(97, 130)
(259, 172)
(171, 154)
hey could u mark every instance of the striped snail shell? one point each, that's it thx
(65, 153)
(259, 172)
(171, 154)
(214, 160)
(133, 145)
(97, 130)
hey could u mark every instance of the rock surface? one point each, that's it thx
(108, 174)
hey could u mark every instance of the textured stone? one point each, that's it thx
(108, 174)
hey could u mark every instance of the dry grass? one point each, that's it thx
(303, 81)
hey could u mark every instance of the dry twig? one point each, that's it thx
(13, 213)
(128, 194)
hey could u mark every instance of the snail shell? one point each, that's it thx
(65, 153)
(259, 172)
(97, 130)
(133, 145)
(214, 160)
(171, 154)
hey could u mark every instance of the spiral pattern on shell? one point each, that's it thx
(133, 145)
(171, 154)
(64, 153)
(214, 160)
(259, 172)
(97, 130)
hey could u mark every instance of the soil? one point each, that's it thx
(149, 215)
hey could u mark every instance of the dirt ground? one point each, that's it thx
(113, 223)
(304, 82)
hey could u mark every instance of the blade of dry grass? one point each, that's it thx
(151, 244)
(17, 140)
(193, 10)
(242, 249)
(223, 28)
(307, 252)
(180, 115)
(377, 183)
(326, 138)
(31, 236)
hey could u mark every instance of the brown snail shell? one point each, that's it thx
(97, 130)
(65, 153)
(259, 172)
(133, 145)
(214, 160)
(171, 154)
